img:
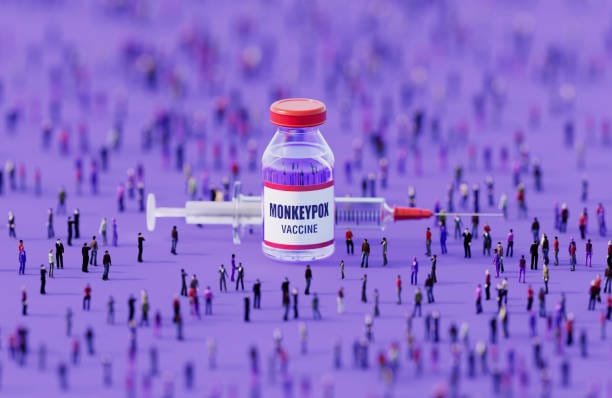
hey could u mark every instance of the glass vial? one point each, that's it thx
(298, 184)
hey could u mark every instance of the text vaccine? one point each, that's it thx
(298, 184)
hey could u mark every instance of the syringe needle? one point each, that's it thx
(412, 213)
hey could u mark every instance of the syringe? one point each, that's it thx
(245, 210)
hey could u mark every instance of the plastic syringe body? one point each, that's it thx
(243, 211)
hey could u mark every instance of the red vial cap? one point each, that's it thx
(297, 112)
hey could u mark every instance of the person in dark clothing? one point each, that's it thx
(240, 278)
(43, 279)
(106, 262)
(286, 299)
(467, 242)
(257, 294)
(141, 240)
(77, 229)
(534, 254)
(85, 253)
(247, 308)
(174, 236)
(364, 281)
(131, 308)
(70, 227)
(308, 277)
(183, 283)
(59, 254)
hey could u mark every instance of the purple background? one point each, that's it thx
(368, 51)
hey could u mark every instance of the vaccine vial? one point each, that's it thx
(298, 184)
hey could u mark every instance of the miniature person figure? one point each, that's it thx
(144, 306)
(564, 218)
(286, 299)
(24, 301)
(497, 264)
(601, 219)
(384, 245)
(487, 285)
(50, 230)
(478, 299)
(208, 296)
(429, 287)
(428, 242)
(592, 296)
(115, 234)
(556, 250)
(69, 322)
(77, 224)
(582, 224)
(458, 225)
(316, 313)
(93, 245)
(51, 263)
(85, 254)
(434, 262)
(103, 231)
(294, 294)
(522, 268)
(350, 246)
(70, 228)
(247, 308)
(43, 279)
(414, 270)
(308, 277)
(183, 283)
(11, 225)
(510, 244)
(22, 261)
(535, 229)
(545, 276)
(240, 279)
(364, 280)
(222, 278)
(418, 298)
(141, 240)
(589, 253)
(365, 253)
(174, 237)
(110, 310)
(533, 250)
(529, 298)
(542, 299)
(340, 301)
(61, 201)
(233, 269)
(467, 241)
(545, 248)
(59, 254)
(342, 269)
(443, 238)
(87, 298)
(257, 294)
(376, 303)
(572, 254)
(398, 284)
(106, 262)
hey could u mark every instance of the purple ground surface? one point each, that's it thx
(547, 55)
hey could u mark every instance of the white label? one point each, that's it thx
(298, 217)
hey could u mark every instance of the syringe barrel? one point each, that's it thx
(360, 213)
(223, 213)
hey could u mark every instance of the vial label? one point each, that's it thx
(298, 217)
